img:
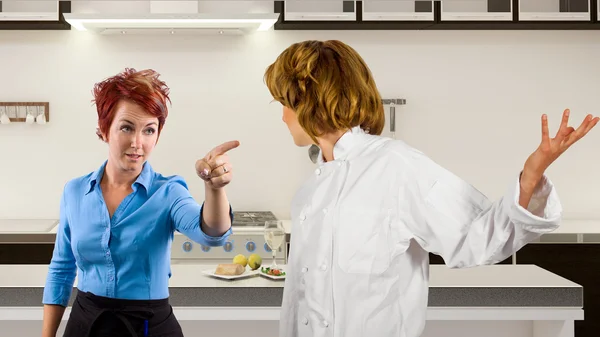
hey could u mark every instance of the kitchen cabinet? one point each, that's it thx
(397, 11)
(476, 10)
(319, 10)
(436, 260)
(439, 15)
(26, 253)
(554, 10)
(34, 15)
(578, 262)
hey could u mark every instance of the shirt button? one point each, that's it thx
(110, 278)
(304, 269)
(107, 252)
(318, 171)
(305, 321)
(323, 267)
(325, 323)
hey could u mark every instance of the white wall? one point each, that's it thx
(474, 105)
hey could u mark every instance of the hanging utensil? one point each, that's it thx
(393, 120)
(313, 153)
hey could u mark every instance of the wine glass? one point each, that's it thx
(274, 235)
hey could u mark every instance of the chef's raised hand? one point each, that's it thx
(551, 148)
(215, 168)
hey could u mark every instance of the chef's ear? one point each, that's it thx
(101, 135)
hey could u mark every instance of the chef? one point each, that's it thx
(364, 222)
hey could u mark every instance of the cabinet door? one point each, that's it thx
(436, 259)
(319, 10)
(476, 10)
(577, 262)
(29, 10)
(397, 10)
(554, 10)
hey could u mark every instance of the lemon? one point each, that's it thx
(254, 261)
(241, 260)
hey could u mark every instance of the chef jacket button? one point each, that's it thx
(305, 321)
(318, 171)
(304, 269)
(323, 267)
(325, 323)
(302, 216)
(325, 210)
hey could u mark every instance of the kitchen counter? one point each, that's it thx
(28, 230)
(44, 230)
(499, 286)
(486, 300)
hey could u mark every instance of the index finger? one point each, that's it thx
(562, 130)
(227, 146)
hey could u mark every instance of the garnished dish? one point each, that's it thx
(273, 273)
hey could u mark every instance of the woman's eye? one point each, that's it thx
(150, 131)
(125, 128)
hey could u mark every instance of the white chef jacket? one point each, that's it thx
(362, 227)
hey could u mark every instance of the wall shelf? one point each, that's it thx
(24, 112)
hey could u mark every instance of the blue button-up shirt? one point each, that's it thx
(126, 256)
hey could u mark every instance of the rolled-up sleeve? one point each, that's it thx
(186, 215)
(451, 218)
(62, 269)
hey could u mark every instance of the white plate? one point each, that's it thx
(246, 273)
(273, 277)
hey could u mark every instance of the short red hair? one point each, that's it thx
(140, 87)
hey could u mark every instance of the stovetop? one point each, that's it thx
(252, 218)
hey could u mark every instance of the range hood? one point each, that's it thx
(154, 17)
(105, 23)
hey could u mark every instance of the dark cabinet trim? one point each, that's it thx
(574, 6)
(499, 6)
(60, 24)
(438, 24)
(423, 6)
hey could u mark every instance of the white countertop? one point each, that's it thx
(43, 226)
(191, 275)
(27, 226)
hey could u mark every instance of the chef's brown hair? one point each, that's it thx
(328, 85)
(141, 87)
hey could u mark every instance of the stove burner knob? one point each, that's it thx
(250, 246)
(205, 248)
(187, 246)
(228, 247)
(267, 248)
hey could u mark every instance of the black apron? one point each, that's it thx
(97, 316)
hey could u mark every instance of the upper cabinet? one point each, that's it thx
(319, 10)
(477, 10)
(34, 15)
(554, 10)
(405, 10)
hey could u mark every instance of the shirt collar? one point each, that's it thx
(344, 145)
(144, 179)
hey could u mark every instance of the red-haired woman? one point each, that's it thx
(117, 223)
